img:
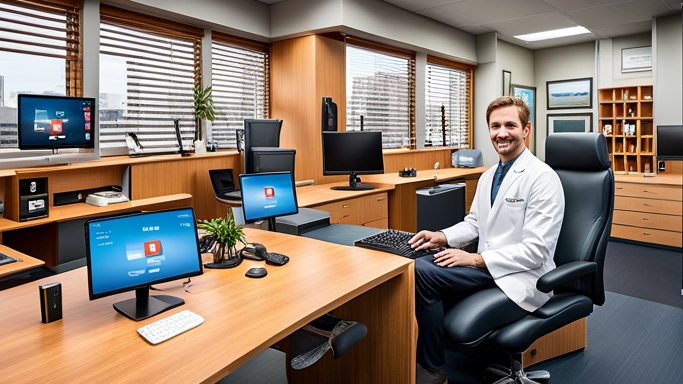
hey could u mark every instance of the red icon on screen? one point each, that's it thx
(269, 192)
(152, 248)
(56, 127)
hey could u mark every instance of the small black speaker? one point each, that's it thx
(329, 118)
(50, 302)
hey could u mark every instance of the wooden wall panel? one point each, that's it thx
(396, 160)
(188, 176)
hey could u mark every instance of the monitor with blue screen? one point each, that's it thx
(133, 252)
(268, 195)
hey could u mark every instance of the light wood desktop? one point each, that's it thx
(25, 262)
(243, 317)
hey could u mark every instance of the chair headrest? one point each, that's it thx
(577, 151)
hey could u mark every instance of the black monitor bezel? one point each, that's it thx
(93, 123)
(296, 202)
(667, 157)
(327, 172)
(88, 256)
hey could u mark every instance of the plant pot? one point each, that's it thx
(224, 257)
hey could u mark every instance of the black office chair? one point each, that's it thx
(490, 318)
(259, 133)
(223, 185)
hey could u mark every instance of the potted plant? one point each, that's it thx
(225, 234)
(203, 109)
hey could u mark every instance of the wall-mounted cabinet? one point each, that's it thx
(626, 120)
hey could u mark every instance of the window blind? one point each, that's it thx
(240, 85)
(380, 88)
(448, 106)
(39, 36)
(148, 71)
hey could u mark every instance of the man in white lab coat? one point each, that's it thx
(516, 214)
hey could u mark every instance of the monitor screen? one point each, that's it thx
(670, 142)
(352, 153)
(54, 122)
(266, 195)
(133, 252)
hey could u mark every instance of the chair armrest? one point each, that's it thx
(565, 273)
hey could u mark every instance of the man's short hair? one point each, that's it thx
(506, 101)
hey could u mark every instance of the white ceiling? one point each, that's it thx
(603, 18)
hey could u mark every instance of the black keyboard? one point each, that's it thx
(392, 241)
(4, 259)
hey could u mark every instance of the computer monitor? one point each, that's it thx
(56, 122)
(352, 153)
(670, 142)
(133, 252)
(268, 195)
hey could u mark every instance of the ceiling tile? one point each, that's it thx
(574, 5)
(674, 4)
(420, 5)
(624, 29)
(531, 24)
(487, 11)
(622, 13)
(477, 29)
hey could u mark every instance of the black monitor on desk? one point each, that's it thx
(670, 142)
(134, 252)
(352, 153)
(268, 195)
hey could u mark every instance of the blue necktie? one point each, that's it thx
(498, 180)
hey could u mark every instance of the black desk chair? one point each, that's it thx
(490, 318)
(224, 186)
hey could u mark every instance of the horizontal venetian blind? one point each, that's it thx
(448, 105)
(148, 69)
(240, 85)
(380, 88)
(44, 33)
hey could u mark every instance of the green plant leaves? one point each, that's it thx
(203, 103)
(224, 231)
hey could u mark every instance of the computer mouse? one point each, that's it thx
(256, 272)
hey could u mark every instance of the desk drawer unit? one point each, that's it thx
(371, 210)
(648, 213)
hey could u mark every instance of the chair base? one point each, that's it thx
(516, 375)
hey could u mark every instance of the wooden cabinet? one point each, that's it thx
(626, 120)
(649, 210)
(371, 211)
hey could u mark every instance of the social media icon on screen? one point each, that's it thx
(152, 248)
(269, 192)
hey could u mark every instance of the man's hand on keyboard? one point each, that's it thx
(425, 240)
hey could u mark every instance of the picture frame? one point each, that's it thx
(507, 82)
(528, 94)
(570, 94)
(569, 122)
(636, 59)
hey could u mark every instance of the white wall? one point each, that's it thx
(668, 84)
(562, 63)
(373, 19)
(609, 63)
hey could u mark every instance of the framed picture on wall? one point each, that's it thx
(528, 94)
(636, 59)
(507, 81)
(568, 94)
(569, 122)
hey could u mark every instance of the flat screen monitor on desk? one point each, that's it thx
(670, 142)
(268, 195)
(352, 153)
(134, 252)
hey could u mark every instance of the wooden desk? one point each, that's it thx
(402, 198)
(243, 317)
(27, 262)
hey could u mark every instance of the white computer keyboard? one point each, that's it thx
(168, 327)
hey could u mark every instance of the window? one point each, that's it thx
(148, 70)
(448, 103)
(39, 54)
(240, 85)
(380, 96)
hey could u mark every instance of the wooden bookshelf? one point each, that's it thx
(630, 140)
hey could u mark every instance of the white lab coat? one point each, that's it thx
(518, 234)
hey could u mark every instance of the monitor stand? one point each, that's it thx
(144, 306)
(354, 184)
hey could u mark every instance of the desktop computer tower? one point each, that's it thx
(440, 206)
